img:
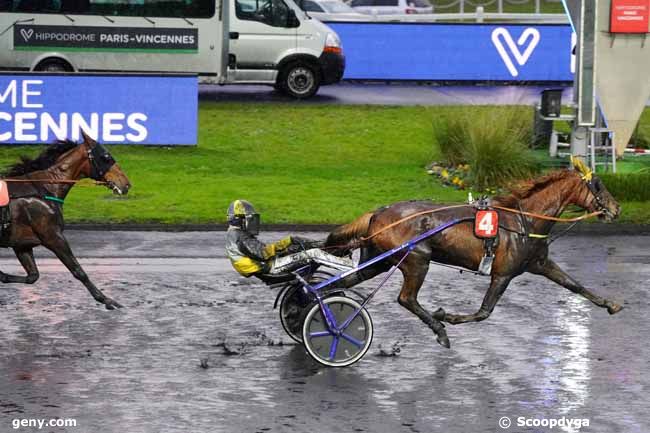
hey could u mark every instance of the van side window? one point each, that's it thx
(42, 6)
(275, 13)
(146, 8)
(361, 3)
(310, 6)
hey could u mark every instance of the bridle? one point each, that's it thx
(100, 161)
(596, 193)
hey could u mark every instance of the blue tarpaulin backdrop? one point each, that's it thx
(476, 52)
(116, 109)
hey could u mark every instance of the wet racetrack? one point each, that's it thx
(405, 93)
(544, 353)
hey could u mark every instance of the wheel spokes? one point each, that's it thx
(333, 347)
(352, 340)
(320, 334)
(324, 337)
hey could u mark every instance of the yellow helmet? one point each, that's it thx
(242, 214)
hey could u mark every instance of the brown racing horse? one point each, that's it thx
(36, 207)
(515, 253)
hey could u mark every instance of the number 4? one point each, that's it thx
(485, 224)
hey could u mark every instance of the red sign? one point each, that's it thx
(486, 224)
(629, 16)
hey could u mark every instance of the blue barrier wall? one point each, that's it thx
(115, 110)
(476, 52)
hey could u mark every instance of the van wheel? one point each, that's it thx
(299, 80)
(53, 65)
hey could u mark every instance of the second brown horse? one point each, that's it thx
(38, 188)
(515, 253)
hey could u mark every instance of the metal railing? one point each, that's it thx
(532, 6)
(478, 16)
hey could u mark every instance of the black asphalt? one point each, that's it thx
(396, 93)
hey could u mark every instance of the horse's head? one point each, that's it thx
(102, 166)
(592, 194)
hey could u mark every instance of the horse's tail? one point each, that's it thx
(344, 237)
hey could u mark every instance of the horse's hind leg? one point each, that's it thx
(59, 246)
(414, 273)
(498, 285)
(553, 272)
(26, 258)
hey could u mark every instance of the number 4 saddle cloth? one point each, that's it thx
(486, 227)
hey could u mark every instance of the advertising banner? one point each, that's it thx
(456, 52)
(629, 16)
(92, 38)
(112, 109)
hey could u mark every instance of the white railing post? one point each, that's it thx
(537, 6)
(462, 6)
(500, 6)
(479, 14)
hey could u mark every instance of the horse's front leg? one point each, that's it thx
(553, 272)
(26, 258)
(498, 285)
(59, 245)
(414, 273)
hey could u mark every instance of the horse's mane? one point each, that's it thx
(45, 160)
(527, 188)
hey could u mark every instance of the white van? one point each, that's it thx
(222, 41)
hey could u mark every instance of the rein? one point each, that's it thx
(53, 181)
(549, 218)
(97, 182)
(406, 218)
(506, 209)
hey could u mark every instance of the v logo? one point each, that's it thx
(529, 36)
(26, 34)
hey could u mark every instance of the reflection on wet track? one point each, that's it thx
(544, 353)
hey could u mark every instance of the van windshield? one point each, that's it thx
(337, 8)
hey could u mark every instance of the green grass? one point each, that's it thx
(301, 164)
(297, 163)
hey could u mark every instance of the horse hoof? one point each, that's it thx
(614, 308)
(111, 304)
(443, 341)
(439, 314)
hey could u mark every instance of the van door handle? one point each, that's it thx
(234, 35)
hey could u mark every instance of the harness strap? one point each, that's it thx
(52, 198)
(525, 224)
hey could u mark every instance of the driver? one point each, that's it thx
(249, 256)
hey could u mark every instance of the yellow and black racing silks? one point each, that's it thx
(248, 255)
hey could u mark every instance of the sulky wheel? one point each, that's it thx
(294, 304)
(292, 310)
(349, 340)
